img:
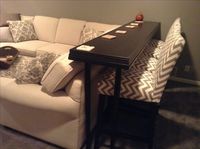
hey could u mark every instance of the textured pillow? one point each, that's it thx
(89, 34)
(46, 58)
(5, 35)
(60, 73)
(8, 16)
(31, 70)
(22, 30)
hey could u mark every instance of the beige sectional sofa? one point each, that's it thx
(56, 118)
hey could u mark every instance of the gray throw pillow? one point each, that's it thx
(31, 70)
(5, 35)
(22, 31)
(4, 17)
(46, 58)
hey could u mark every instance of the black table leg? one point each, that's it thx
(115, 106)
(88, 105)
(99, 122)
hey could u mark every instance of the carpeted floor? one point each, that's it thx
(178, 126)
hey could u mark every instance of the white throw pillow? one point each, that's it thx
(60, 72)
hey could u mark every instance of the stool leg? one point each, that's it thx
(99, 120)
(154, 116)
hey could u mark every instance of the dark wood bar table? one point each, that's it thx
(119, 53)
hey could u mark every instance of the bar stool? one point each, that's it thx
(142, 84)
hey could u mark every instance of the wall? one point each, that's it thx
(121, 11)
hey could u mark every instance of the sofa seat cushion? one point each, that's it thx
(69, 31)
(56, 48)
(45, 27)
(31, 95)
(27, 48)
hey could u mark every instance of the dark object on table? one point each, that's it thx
(8, 55)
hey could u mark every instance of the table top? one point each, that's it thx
(120, 51)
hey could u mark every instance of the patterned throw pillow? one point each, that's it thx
(22, 30)
(31, 70)
(89, 34)
(28, 69)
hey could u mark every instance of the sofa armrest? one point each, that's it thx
(75, 88)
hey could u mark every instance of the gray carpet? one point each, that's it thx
(178, 126)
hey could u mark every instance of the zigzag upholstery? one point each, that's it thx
(147, 78)
(174, 30)
(134, 84)
(166, 63)
(147, 60)
(153, 49)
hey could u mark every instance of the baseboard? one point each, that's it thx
(183, 80)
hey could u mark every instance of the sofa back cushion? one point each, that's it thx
(69, 31)
(27, 18)
(45, 28)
